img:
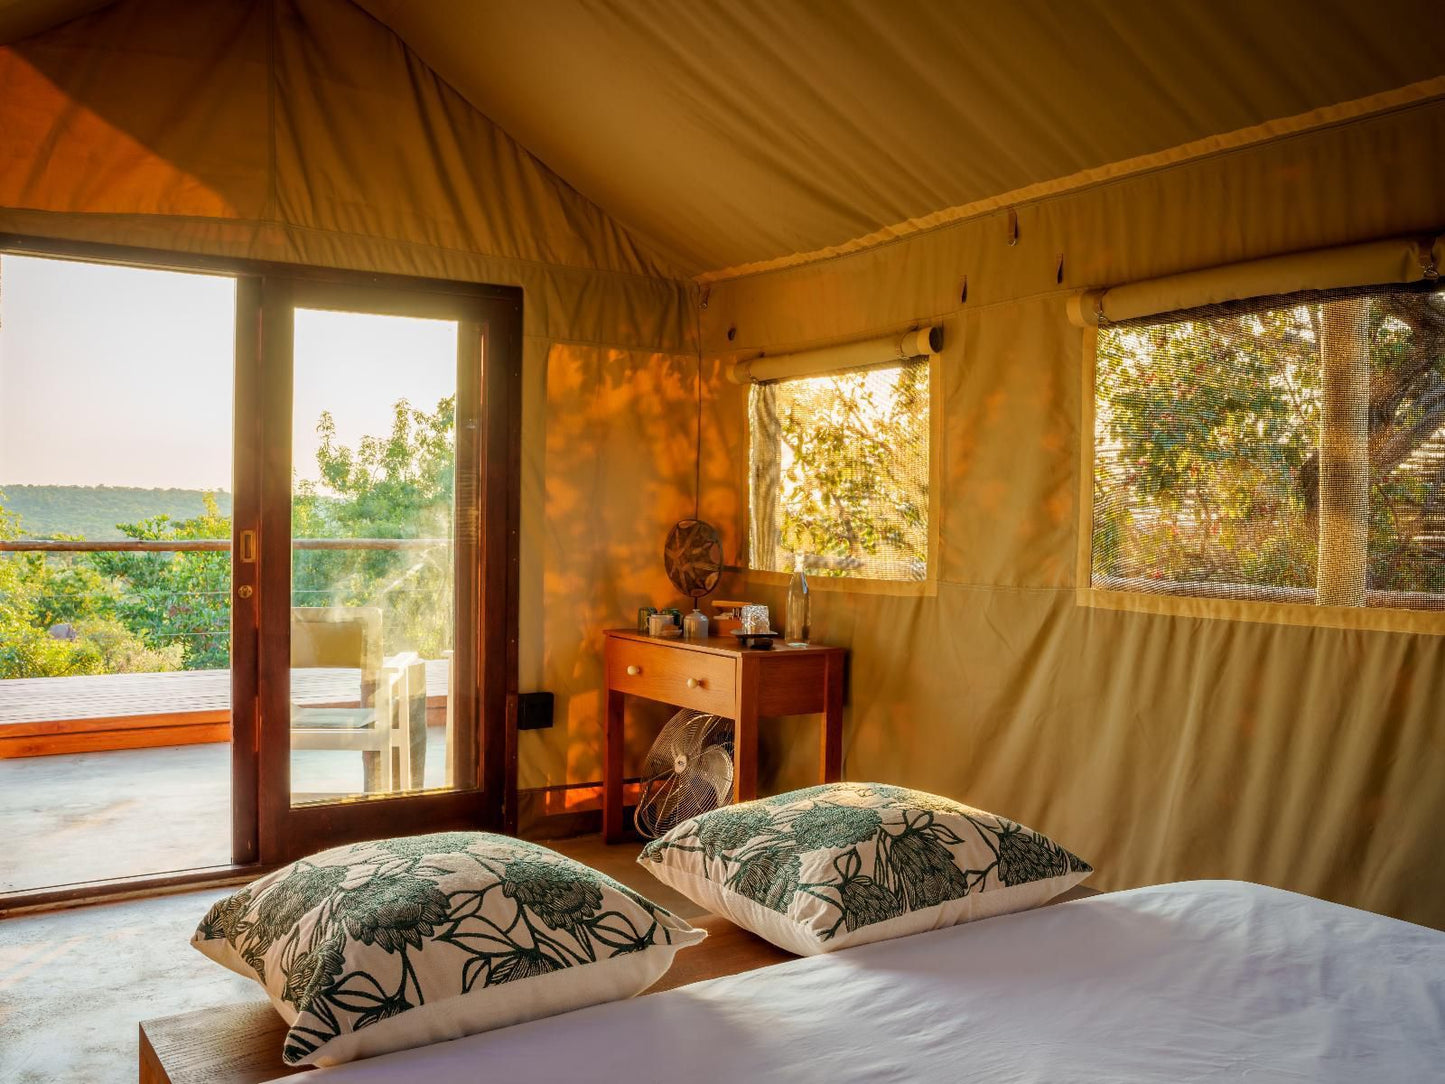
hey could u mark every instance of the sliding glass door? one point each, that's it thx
(258, 544)
(378, 533)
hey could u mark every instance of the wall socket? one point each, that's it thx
(534, 711)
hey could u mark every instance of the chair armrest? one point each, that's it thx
(393, 689)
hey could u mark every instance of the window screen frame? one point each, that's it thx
(928, 586)
(1200, 606)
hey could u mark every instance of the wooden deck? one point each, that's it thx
(39, 716)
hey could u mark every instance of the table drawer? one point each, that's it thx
(673, 675)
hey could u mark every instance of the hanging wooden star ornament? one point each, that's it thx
(693, 557)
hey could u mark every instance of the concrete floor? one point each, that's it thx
(82, 817)
(75, 984)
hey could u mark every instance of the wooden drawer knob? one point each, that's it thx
(634, 670)
(693, 683)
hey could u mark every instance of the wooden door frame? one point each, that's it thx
(496, 641)
(488, 434)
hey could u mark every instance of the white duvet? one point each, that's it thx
(1199, 981)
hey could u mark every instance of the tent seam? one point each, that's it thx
(273, 198)
(257, 224)
(556, 177)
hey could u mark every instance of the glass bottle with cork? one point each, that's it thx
(799, 621)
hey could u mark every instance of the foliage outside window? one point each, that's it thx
(395, 486)
(129, 612)
(1290, 449)
(840, 473)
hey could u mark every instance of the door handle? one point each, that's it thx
(248, 548)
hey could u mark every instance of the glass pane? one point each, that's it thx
(839, 468)
(1201, 430)
(115, 571)
(1291, 452)
(372, 586)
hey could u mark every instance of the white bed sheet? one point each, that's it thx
(1197, 981)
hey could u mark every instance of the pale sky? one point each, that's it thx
(123, 376)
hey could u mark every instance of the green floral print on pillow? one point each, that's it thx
(888, 851)
(356, 935)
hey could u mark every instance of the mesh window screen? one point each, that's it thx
(1288, 449)
(840, 473)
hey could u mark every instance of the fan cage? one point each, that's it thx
(687, 772)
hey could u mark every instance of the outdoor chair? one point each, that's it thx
(378, 723)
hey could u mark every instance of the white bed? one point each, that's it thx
(1198, 981)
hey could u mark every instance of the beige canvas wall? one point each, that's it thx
(621, 440)
(1161, 748)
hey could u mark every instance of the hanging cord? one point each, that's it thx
(697, 464)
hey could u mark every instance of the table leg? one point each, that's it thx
(745, 733)
(612, 827)
(832, 750)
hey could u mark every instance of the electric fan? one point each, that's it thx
(688, 771)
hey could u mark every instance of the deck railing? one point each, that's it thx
(169, 602)
(207, 545)
(134, 708)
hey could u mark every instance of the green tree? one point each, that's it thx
(1207, 433)
(397, 486)
(150, 611)
(27, 650)
(853, 470)
(178, 604)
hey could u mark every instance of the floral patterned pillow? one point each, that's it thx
(848, 863)
(403, 942)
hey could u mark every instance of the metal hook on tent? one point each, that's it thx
(1013, 227)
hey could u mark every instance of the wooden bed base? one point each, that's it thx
(241, 1044)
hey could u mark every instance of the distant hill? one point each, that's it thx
(93, 511)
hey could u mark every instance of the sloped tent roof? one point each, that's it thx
(731, 135)
(735, 133)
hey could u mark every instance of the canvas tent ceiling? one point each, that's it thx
(739, 133)
(750, 130)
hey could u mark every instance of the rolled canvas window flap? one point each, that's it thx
(1376, 263)
(867, 353)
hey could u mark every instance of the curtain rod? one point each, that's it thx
(860, 354)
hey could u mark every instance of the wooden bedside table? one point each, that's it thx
(717, 676)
